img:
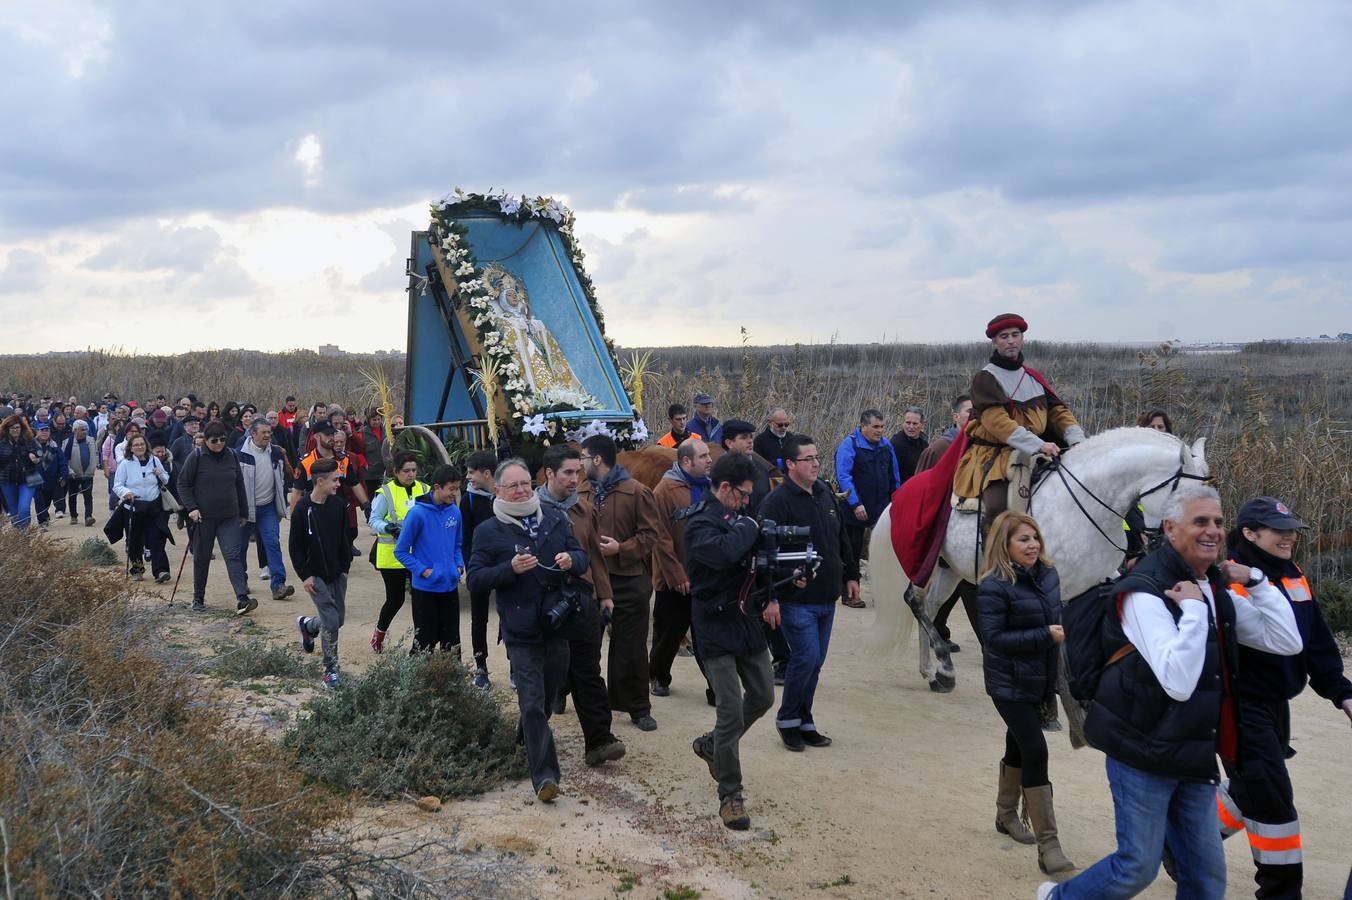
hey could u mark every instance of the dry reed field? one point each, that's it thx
(1278, 416)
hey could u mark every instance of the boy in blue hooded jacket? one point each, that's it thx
(429, 547)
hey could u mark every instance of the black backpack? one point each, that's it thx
(1085, 654)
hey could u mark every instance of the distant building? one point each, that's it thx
(330, 350)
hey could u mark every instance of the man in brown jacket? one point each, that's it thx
(562, 467)
(682, 486)
(628, 523)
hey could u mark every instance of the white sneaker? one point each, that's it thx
(1045, 889)
(264, 574)
(60, 514)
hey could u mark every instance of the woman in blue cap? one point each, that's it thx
(1258, 798)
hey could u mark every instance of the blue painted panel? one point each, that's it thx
(527, 267)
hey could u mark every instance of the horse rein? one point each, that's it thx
(1058, 466)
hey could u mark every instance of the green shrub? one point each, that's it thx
(1335, 601)
(256, 658)
(408, 725)
(96, 552)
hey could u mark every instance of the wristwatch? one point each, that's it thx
(1255, 580)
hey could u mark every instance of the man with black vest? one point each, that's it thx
(1165, 705)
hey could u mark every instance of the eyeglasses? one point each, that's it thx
(515, 485)
(807, 459)
(740, 492)
(215, 440)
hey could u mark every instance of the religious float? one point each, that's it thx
(506, 340)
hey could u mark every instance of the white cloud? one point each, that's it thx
(310, 155)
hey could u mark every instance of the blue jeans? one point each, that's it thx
(1151, 810)
(268, 525)
(807, 628)
(19, 502)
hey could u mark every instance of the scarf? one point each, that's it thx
(512, 513)
(1011, 365)
(697, 485)
(605, 485)
(1274, 567)
(548, 499)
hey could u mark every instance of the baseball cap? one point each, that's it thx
(1269, 512)
(702, 397)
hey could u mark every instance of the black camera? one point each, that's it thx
(562, 609)
(773, 566)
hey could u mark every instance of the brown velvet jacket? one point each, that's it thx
(629, 516)
(584, 522)
(668, 553)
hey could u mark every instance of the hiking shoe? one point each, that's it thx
(706, 753)
(75, 520)
(199, 606)
(283, 592)
(733, 813)
(814, 738)
(793, 739)
(331, 680)
(644, 722)
(607, 752)
(953, 647)
(377, 640)
(245, 605)
(481, 679)
(307, 640)
(162, 578)
(264, 574)
(548, 791)
(89, 522)
(658, 689)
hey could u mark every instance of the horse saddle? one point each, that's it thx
(1022, 472)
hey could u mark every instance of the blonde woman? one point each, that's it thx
(1019, 610)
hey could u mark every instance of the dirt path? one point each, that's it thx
(900, 806)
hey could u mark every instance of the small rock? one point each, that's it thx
(429, 803)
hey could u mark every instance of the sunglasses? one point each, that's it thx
(215, 440)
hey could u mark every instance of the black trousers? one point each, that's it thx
(436, 620)
(627, 662)
(396, 583)
(478, 626)
(671, 620)
(1259, 800)
(539, 670)
(966, 592)
(145, 534)
(588, 688)
(80, 487)
(1025, 747)
(857, 532)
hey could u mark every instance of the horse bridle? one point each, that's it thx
(1059, 467)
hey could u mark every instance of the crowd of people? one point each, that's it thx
(1207, 636)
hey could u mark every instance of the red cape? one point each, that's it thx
(920, 510)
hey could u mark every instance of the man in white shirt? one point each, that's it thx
(1165, 707)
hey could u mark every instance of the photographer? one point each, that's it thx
(527, 552)
(806, 614)
(718, 546)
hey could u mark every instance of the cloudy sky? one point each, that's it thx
(201, 174)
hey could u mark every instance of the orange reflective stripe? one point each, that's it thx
(1298, 589)
(1258, 842)
(1237, 588)
(1227, 819)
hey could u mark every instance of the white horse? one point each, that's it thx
(1079, 506)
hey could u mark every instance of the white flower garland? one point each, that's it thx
(451, 243)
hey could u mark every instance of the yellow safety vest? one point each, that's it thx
(401, 500)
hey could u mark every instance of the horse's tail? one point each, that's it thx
(888, 584)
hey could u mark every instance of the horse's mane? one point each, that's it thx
(1128, 435)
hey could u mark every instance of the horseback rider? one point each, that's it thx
(1013, 406)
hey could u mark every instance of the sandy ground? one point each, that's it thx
(901, 806)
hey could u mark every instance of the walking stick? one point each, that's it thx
(181, 564)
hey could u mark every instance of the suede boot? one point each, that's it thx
(1049, 856)
(1007, 806)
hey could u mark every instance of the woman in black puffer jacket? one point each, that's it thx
(1019, 603)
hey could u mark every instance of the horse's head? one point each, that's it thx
(1192, 465)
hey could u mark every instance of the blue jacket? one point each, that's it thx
(430, 539)
(53, 466)
(711, 430)
(521, 598)
(867, 473)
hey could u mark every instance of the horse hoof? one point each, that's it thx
(942, 685)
